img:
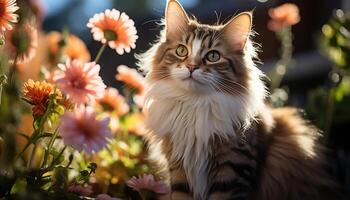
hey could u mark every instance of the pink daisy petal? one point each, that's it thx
(82, 130)
(147, 182)
(80, 81)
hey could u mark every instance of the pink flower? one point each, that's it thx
(80, 81)
(147, 182)
(81, 190)
(82, 130)
(105, 197)
(114, 28)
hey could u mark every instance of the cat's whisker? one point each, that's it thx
(218, 85)
(221, 83)
(233, 82)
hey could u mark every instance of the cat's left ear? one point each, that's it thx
(176, 18)
(237, 30)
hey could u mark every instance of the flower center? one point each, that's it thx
(110, 35)
(87, 129)
(107, 106)
(78, 83)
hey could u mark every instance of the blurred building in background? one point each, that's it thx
(309, 68)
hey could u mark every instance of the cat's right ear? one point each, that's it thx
(176, 18)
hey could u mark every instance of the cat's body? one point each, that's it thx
(209, 128)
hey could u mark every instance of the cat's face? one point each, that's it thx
(202, 58)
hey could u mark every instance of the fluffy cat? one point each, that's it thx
(210, 130)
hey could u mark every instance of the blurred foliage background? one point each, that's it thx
(315, 75)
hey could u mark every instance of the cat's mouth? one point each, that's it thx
(191, 79)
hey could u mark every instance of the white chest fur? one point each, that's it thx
(190, 120)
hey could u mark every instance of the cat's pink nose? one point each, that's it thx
(191, 67)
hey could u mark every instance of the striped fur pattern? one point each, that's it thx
(209, 128)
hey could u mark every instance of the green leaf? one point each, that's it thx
(59, 109)
(3, 81)
(57, 157)
(343, 89)
(20, 185)
(55, 114)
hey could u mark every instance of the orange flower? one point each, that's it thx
(7, 14)
(22, 42)
(75, 48)
(131, 78)
(112, 101)
(66, 103)
(282, 16)
(114, 28)
(37, 93)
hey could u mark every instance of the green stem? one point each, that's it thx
(329, 114)
(46, 114)
(3, 81)
(24, 149)
(12, 71)
(51, 142)
(70, 160)
(58, 157)
(37, 133)
(98, 56)
(285, 37)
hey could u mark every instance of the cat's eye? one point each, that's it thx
(181, 50)
(213, 56)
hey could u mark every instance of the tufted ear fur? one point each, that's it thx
(176, 18)
(237, 30)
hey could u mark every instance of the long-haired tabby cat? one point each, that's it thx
(209, 127)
